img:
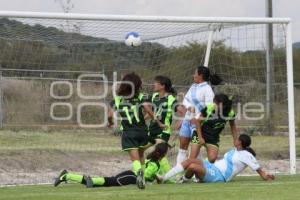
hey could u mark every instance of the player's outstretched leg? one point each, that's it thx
(65, 176)
(122, 179)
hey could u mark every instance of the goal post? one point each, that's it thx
(41, 48)
(291, 104)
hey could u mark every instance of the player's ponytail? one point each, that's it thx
(214, 79)
(246, 142)
(165, 81)
(224, 102)
(250, 150)
(159, 152)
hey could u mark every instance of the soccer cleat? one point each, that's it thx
(88, 181)
(60, 178)
(183, 179)
(140, 180)
(195, 179)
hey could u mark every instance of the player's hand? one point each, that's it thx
(109, 125)
(159, 179)
(236, 143)
(201, 141)
(270, 177)
(193, 121)
(178, 125)
(163, 126)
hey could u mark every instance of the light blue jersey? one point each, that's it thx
(234, 162)
(198, 96)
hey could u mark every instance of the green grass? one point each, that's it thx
(245, 188)
(103, 142)
(67, 140)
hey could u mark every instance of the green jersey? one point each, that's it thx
(163, 108)
(131, 111)
(214, 124)
(157, 167)
(151, 169)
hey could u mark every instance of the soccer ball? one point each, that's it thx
(133, 39)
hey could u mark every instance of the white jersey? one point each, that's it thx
(234, 162)
(198, 96)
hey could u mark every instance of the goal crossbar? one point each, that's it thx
(170, 19)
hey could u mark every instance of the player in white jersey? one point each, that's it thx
(234, 162)
(198, 96)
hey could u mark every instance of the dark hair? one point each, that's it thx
(214, 79)
(165, 81)
(159, 151)
(246, 142)
(225, 101)
(126, 89)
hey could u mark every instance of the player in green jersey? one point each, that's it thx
(153, 167)
(210, 123)
(130, 104)
(164, 105)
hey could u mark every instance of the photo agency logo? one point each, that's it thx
(252, 111)
(64, 101)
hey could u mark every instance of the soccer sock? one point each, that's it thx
(181, 156)
(136, 166)
(143, 167)
(74, 177)
(175, 170)
(99, 181)
(164, 165)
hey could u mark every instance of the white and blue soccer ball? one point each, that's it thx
(133, 39)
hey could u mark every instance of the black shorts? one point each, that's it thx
(122, 179)
(212, 140)
(134, 139)
(153, 135)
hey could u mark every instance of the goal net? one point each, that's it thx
(55, 69)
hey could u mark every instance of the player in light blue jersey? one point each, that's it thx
(198, 96)
(234, 162)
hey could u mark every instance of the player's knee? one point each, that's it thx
(184, 143)
(192, 167)
(212, 158)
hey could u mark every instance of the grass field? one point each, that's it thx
(102, 142)
(242, 188)
(36, 156)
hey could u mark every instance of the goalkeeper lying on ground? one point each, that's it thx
(154, 166)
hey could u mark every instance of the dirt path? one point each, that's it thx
(41, 167)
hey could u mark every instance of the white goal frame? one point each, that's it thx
(288, 40)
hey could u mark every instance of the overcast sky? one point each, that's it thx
(204, 8)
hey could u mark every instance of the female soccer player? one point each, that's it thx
(197, 97)
(164, 105)
(234, 162)
(210, 123)
(124, 178)
(130, 104)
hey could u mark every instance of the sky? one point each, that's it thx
(202, 8)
